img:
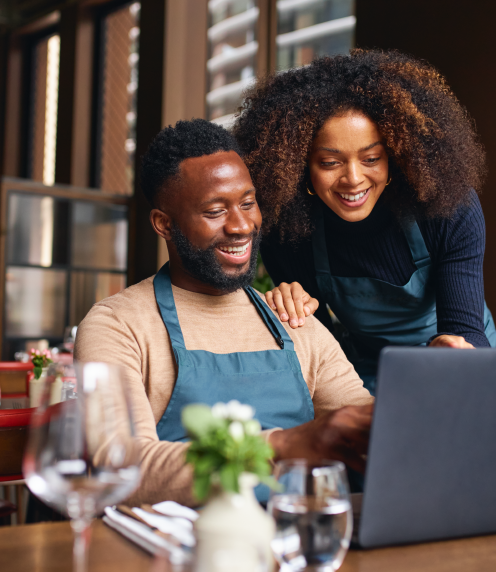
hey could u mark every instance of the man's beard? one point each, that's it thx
(205, 266)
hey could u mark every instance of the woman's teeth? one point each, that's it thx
(353, 198)
(235, 250)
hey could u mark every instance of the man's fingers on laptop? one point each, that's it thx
(351, 458)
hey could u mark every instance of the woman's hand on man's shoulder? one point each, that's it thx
(292, 303)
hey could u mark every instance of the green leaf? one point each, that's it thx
(198, 419)
(229, 475)
(201, 487)
(37, 372)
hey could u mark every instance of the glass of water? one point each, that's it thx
(81, 454)
(313, 515)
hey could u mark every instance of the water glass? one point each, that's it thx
(313, 515)
(82, 454)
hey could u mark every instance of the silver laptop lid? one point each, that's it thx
(431, 471)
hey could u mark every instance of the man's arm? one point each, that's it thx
(165, 476)
(343, 407)
(341, 435)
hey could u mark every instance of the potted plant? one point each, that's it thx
(229, 458)
(41, 360)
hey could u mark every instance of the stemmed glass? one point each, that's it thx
(81, 454)
(313, 515)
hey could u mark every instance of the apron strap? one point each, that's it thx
(275, 328)
(165, 300)
(416, 242)
(319, 244)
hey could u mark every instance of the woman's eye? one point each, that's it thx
(372, 160)
(329, 163)
(248, 205)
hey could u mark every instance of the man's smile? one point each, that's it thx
(237, 252)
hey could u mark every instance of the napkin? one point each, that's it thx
(147, 539)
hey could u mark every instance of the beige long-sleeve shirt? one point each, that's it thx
(127, 329)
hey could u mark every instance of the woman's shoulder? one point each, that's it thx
(465, 225)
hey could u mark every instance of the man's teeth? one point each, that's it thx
(235, 250)
(353, 198)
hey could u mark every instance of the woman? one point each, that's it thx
(365, 168)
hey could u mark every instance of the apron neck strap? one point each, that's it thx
(165, 301)
(275, 328)
(416, 242)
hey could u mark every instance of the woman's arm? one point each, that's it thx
(460, 245)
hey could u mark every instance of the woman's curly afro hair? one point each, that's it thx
(435, 157)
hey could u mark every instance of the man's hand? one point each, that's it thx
(292, 303)
(446, 341)
(341, 435)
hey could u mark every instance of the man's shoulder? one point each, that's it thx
(312, 327)
(132, 298)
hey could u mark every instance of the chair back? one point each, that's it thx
(14, 424)
(14, 377)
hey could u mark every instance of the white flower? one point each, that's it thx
(236, 430)
(219, 410)
(239, 412)
(252, 427)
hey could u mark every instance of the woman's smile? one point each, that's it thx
(354, 200)
(348, 165)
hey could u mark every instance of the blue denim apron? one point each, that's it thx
(270, 381)
(375, 313)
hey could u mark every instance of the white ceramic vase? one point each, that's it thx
(234, 532)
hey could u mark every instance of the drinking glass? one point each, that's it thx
(81, 454)
(313, 515)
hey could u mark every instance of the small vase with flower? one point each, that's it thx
(229, 458)
(41, 359)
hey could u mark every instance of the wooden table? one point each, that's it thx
(47, 547)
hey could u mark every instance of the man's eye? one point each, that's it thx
(248, 205)
(330, 163)
(372, 160)
(214, 213)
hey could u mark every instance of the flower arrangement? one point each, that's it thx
(40, 360)
(225, 442)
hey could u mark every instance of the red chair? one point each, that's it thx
(13, 440)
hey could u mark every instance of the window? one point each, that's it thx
(307, 29)
(44, 106)
(63, 254)
(118, 85)
(233, 51)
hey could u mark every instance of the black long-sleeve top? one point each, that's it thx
(377, 248)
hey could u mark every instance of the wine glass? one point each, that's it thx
(81, 454)
(313, 515)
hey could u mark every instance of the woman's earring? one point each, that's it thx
(309, 191)
(389, 181)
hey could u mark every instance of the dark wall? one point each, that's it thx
(459, 39)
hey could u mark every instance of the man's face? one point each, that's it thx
(216, 230)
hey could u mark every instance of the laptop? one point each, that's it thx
(431, 470)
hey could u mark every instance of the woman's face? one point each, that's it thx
(348, 165)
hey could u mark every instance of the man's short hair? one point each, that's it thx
(195, 138)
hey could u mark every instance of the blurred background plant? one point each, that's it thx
(263, 281)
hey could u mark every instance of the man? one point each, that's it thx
(196, 332)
